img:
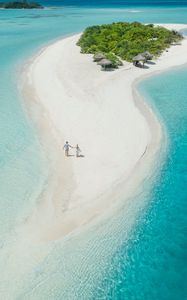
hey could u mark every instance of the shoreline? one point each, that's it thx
(55, 216)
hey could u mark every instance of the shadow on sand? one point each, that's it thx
(150, 63)
(145, 67)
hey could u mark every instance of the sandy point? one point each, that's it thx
(69, 98)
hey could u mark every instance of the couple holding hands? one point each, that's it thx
(67, 146)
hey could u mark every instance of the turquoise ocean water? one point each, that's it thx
(104, 261)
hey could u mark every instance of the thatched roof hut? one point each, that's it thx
(105, 63)
(98, 56)
(147, 55)
(139, 58)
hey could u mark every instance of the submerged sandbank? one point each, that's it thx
(71, 99)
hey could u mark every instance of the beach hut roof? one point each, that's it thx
(147, 55)
(99, 56)
(105, 62)
(139, 57)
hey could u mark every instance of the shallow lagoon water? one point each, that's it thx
(155, 264)
(104, 261)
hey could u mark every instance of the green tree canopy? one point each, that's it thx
(126, 40)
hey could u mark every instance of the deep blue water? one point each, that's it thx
(112, 3)
(115, 3)
(104, 262)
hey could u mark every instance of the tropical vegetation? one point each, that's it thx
(20, 5)
(126, 40)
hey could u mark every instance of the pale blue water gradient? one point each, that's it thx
(155, 264)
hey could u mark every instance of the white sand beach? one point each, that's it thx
(70, 98)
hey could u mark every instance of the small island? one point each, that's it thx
(20, 5)
(131, 42)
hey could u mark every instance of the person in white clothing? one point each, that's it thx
(78, 150)
(66, 148)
